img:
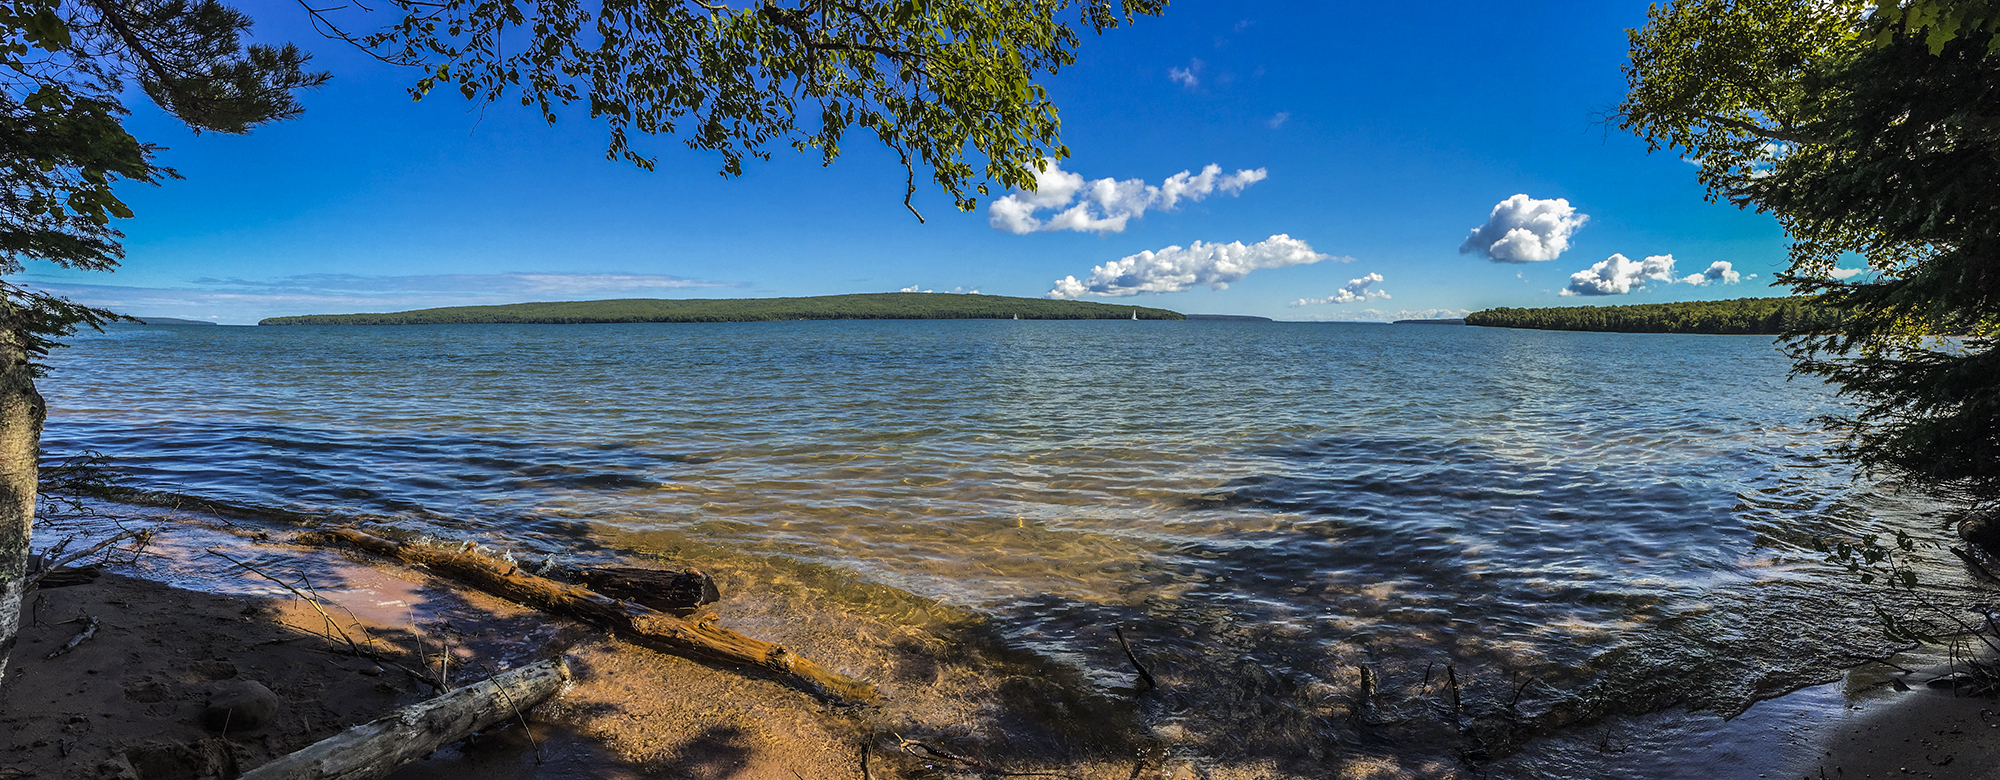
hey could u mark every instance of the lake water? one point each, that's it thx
(1576, 524)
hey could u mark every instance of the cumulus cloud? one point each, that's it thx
(1105, 205)
(1718, 271)
(1354, 290)
(1525, 230)
(1188, 77)
(1845, 273)
(1618, 275)
(1175, 269)
(1278, 120)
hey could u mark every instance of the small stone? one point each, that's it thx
(117, 768)
(1981, 530)
(239, 705)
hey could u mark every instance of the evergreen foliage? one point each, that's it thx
(872, 306)
(1765, 316)
(64, 65)
(1866, 133)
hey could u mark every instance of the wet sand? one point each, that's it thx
(1921, 733)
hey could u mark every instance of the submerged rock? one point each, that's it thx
(1981, 529)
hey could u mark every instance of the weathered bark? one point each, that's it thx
(380, 746)
(634, 623)
(21, 415)
(676, 592)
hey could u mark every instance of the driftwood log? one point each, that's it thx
(378, 747)
(678, 592)
(641, 625)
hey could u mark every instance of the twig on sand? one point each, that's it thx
(142, 535)
(352, 646)
(525, 728)
(296, 592)
(865, 774)
(88, 632)
(1130, 656)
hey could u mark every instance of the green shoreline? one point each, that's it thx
(867, 306)
(1741, 316)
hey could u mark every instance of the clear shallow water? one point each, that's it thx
(1577, 523)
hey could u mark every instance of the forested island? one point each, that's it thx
(1757, 316)
(867, 306)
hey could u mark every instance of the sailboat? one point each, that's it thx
(1017, 318)
(1135, 316)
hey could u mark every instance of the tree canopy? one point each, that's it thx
(63, 143)
(933, 80)
(1871, 131)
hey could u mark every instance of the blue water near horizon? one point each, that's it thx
(1620, 516)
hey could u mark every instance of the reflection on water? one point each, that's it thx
(1571, 523)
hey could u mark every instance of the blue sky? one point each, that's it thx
(1373, 139)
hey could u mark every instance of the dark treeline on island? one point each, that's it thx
(868, 306)
(1757, 316)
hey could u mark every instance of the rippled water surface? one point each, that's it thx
(1571, 521)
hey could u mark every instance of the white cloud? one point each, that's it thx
(1105, 205)
(1718, 271)
(1188, 77)
(1175, 269)
(1525, 230)
(1278, 120)
(1354, 290)
(1378, 315)
(959, 290)
(1845, 273)
(1617, 275)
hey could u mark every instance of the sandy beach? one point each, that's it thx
(128, 701)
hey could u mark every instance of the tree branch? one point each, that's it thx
(1762, 131)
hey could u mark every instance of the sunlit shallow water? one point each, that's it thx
(1574, 524)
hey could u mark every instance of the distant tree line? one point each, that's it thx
(872, 306)
(1766, 316)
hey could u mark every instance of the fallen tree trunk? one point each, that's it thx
(378, 747)
(676, 592)
(634, 623)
